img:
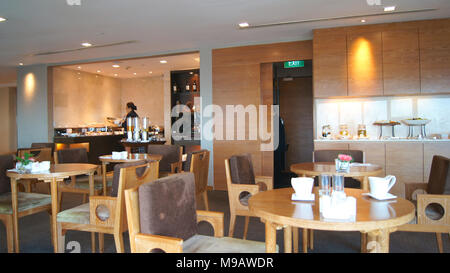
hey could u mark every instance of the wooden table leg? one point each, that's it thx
(383, 240)
(15, 214)
(288, 239)
(305, 240)
(378, 241)
(271, 237)
(55, 210)
(104, 178)
(365, 184)
(363, 242)
(295, 238)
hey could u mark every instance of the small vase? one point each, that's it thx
(21, 168)
(342, 166)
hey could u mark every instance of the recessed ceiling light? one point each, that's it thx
(390, 8)
(115, 65)
(86, 44)
(163, 61)
(363, 20)
(150, 72)
(115, 75)
(98, 71)
(134, 73)
(2, 19)
(243, 25)
(79, 67)
(20, 64)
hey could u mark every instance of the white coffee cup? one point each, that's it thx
(380, 186)
(302, 186)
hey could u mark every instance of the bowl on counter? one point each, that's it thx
(416, 122)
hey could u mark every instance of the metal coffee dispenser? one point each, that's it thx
(137, 129)
(145, 126)
(129, 128)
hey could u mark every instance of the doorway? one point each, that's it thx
(293, 93)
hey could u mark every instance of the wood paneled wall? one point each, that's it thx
(242, 75)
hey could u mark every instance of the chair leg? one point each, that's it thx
(8, 222)
(93, 242)
(61, 239)
(311, 239)
(27, 186)
(118, 238)
(84, 198)
(247, 218)
(205, 199)
(101, 242)
(439, 242)
(60, 195)
(232, 222)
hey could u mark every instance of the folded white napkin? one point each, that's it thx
(37, 167)
(120, 155)
(337, 207)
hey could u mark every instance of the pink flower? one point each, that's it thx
(343, 157)
(32, 159)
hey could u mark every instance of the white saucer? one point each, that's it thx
(388, 196)
(311, 197)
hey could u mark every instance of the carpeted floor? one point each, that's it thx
(34, 233)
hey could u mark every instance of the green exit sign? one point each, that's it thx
(293, 64)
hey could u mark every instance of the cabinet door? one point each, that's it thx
(374, 153)
(330, 65)
(330, 145)
(405, 161)
(435, 60)
(364, 55)
(430, 150)
(401, 69)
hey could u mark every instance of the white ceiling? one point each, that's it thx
(143, 67)
(163, 26)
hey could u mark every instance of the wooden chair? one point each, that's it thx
(242, 184)
(197, 162)
(79, 184)
(39, 154)
(432, 201)
(106, 214)
(44, 145)
(171, 225)
(171, 161)
(29, 203)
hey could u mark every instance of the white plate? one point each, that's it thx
(303, 198)
(388, 196)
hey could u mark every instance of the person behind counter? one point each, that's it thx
(131, 109)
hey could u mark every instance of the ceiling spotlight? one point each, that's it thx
(135, 73)
(115, 75)
(79, 67)
(163, 61)
(363, 20)
(98, 71)
(20, 64)
(2, 19)
(243, 25)
(115, 65)
(390, 8)
(150, 72)
(86, 44)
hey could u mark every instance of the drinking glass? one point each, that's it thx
(338, 183)
(325, 184)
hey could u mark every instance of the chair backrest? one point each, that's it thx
(240, 169)
(164, 207)
(44, 145)
(77, 155)
(439, 180)
(170, 153)
(199, 166)
(130, 177)
(187, 163)
(6, 163)
(331, 155)
(39, 154)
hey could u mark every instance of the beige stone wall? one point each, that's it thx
(8, 127)
(148, 95)
(81, 99)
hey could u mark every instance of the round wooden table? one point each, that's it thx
(359, 172)
(57, 173)
(106, 159)
(376, 218)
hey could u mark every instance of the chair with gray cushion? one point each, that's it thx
(432, 201)
(106, 214)
(197, 162)
(331, 155)
(29, 203)
(171, 161)
(80, 183)
(242, 184)
(162, 216)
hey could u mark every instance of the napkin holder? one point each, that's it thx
(337, 206)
